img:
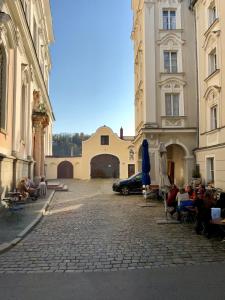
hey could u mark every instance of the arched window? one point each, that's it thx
(3, 100)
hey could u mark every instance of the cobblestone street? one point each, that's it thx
(90, 229)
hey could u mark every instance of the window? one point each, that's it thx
(104, 140)
(170, 62)
(35, 35)
(169, 19)
(210, 170)
(3, 101)
(212, 61)
(172, 104)
(212, 13)
(23, 113)
(213, 114)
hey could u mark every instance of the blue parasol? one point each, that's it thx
(146, 167)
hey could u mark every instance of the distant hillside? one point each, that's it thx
(66, 144)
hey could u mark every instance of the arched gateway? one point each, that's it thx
(65, 170)
(105, 166)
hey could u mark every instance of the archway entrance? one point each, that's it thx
(65, 170)
(176, 164)
(105, 166)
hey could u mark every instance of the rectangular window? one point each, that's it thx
(169, 19)
(212, 61)
(35, 35)
(172, 104)
(104, 140)
(213, 114)
(210, 170)
(212, 13)
(170, 62)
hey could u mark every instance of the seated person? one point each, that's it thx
(32, 190)
(23, 190)
(182, 196)
(201, 192)
(171, 198)
(42, 187)
(190, 192)
(185, 201)
(203, 216)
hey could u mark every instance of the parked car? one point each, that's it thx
(127, 186)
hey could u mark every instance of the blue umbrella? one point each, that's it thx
(146, 167)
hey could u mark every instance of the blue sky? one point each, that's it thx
(91, 81)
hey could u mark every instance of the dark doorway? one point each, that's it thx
(131, 169)
(65, 170)
(105, 166)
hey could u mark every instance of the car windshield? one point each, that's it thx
(135, 176)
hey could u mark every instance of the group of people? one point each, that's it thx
(28, 189)
(197, 201)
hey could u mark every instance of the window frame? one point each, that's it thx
(210, 168)
(212, 13)
(104, 140)
(3, 91)
(212, 61)
(169, 23)
(170, 65)
(172, 105)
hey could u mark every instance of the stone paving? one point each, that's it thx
(90, 229)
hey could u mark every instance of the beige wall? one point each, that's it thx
(152, 82)
(91, 148)
(211, 88)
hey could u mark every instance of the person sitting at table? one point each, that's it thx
(201, 192)
(182, 195)
(183, 202)
(23, 190)
(31, 188)
(203, 213)
(171, 198)
(190, 192)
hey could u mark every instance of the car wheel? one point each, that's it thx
(125, 191)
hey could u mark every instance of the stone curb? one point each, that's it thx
(6, 246)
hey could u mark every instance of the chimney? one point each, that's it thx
(121, 133)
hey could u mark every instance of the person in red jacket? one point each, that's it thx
(171, 198)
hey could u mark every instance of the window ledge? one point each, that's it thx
(216, 21)
(173, 117)
(212, 74)
(172, 73)
(211, 131)
(171, 30)
(3, 131)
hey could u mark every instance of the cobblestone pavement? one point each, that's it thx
(90, 229)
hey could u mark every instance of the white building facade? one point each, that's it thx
(210, 36)
(26, 114)
(166, 84)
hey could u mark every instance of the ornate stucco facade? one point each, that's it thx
(165, 84)
(26, 115)
(102, 152)
(210, 37)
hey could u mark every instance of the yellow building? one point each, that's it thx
(210, 36)
(26, 115)
(104, 155)
(165, 84)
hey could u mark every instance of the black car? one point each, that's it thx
(131, 185)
